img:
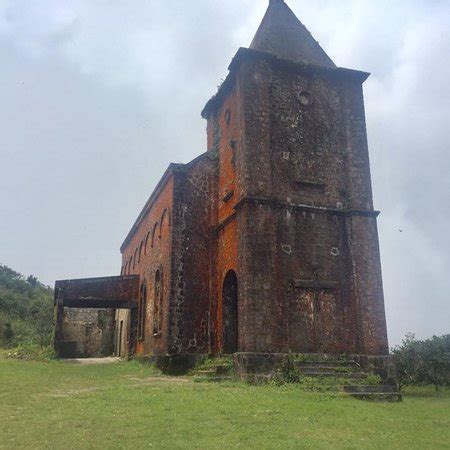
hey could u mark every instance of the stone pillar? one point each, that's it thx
(258, 290)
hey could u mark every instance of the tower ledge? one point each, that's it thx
(248, 54)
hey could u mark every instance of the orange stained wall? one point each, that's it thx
(149, 250)
(224, 136)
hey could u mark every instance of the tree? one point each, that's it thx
(407, 360)
(423, 362)
(436, 361)
(32, 280)
(26, 309)
(42, 317)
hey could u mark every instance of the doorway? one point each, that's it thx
(230, 313)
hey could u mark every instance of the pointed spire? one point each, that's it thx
(283, 35)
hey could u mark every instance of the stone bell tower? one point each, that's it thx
(305, 230)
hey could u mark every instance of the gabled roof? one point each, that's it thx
(283, 35)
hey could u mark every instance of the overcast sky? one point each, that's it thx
(97, 97)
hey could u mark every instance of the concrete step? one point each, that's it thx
(222, 369)
(343, 375)
(213, 370)
(329, 363)
(328, 369)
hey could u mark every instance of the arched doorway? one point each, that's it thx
(230, 313)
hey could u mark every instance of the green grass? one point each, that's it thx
(57, 405)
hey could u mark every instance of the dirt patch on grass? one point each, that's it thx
(148, 381)
(72, 392)
(91, 361)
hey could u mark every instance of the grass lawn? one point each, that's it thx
(58, 405)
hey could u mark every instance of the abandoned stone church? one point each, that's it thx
(266, 243)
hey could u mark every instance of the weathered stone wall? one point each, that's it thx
(284, 310)
(310, 276)
(87, 333)
(298, 145)
(194, 189)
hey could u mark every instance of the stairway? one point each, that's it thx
(346, 376)
(329, 368)
(217, 370)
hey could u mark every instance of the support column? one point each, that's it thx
(59, 317)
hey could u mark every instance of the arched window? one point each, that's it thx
(158, 304)
(230, 312)
(123, 270)
(142, 311)
(130, 265)
(140, 251)
(154, 233)
(146, 243)
(135, 258)
(164, 217)
(228, 116)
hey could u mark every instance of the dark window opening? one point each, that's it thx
(233, 145)
(230, 313)
(153, 233)
(142, 312)
(228, 116)
(146, 243)
(158, 304)
(228, 196)
(140, 251)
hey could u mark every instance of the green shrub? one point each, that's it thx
(225, 362)
(423, 361)
(372, 379)
(31, 352)
(26, 310)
